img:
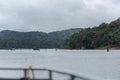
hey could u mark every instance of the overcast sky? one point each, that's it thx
(52, 15)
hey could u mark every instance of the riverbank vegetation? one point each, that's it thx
(103, 36)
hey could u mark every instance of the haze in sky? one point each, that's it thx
(52, 15)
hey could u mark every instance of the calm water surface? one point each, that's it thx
(91, 63)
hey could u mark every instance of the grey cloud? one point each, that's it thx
(116, 1)
(51, 15)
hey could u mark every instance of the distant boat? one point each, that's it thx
(12, 49)
(36, 48)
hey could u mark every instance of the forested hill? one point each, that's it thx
(103, 36)
(14, 39)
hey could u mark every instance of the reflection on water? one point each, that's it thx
(90, 63)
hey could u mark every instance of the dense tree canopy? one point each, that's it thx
(105, 35)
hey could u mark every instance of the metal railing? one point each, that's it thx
(49, 71)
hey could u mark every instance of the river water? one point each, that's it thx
(99, 64)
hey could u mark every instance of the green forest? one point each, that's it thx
(29, 40)
(106, 35)
(103, 36)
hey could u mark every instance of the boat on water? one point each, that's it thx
(12, 49)
(36, 48)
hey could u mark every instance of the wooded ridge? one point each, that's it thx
(103, 36)
(14, 39)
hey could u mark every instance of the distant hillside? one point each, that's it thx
(15, 39)
(8, 34)
(59, 37)
(103, 36)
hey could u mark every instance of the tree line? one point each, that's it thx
(29, 40)
(103, 36)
